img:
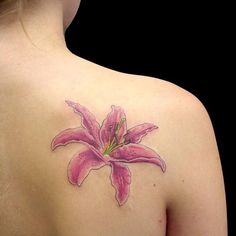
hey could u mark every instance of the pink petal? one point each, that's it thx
(135, 134)
(81, 164)
(133, 153)
(107, 132)
(73, 135)
(120, 179)
(88, 120)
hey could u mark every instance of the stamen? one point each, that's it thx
(109, 129)
(120, 145)
(115, 142)
(117, 127)
(123, 119)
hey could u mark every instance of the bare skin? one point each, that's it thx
(35, 196)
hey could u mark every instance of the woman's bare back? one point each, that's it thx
(36, 197)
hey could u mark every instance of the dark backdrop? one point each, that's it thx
(179, 42)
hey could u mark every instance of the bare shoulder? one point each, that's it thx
(193, 181)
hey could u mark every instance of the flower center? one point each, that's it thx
(114, 143)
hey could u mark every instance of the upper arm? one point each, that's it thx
(196, 198)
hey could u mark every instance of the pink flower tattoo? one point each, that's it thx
(109, 144)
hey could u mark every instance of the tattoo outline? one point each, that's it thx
(109, 144)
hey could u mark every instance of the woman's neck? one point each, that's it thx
(42, 31)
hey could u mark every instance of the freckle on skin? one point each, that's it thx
(154, 185)
(183, 180)
(160, 221)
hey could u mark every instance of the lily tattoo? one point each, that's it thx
(109, 144)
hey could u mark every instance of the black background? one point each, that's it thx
(180, 42)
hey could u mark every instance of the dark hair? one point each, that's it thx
(9, 7)
(14, 7)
